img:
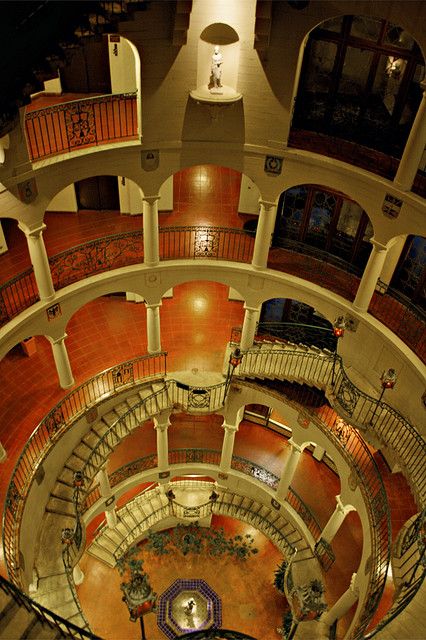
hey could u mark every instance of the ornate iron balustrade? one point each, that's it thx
(45, 616)
(298, 333)
(61, 418)
(97, 256)
(413, 541)
(366, 475)
(213, 456)
(358, 407)
(79, 124)
(17, 294)
(407, 321)
(218, 243)
(352, 153)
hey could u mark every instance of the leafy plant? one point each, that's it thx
(279, 576)
(129, 562)
(158, 543)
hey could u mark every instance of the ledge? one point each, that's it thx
(222, 95)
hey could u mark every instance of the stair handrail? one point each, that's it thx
(368, 413)
(121, 548)
(238, 463)
(44, 615)
(414, 536)
(59, 420)
(263, 330)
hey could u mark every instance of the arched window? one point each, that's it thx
(310, 217)
(360, 82)
(410, 274)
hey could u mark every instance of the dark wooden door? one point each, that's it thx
(98, 193)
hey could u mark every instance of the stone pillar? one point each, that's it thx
(153, 327)
(336, 520)
(161, 425)
(78, 575)
(414, 147)
(227, 446)
(369, 278)
(251, 318)
(391, 260)
(344, 603)
(106, 493)
(3, 454)
(39, 260)
(63, 367)
(150, 231)
(265, 229)
(289, 470)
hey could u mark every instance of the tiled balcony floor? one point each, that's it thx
(195, 327)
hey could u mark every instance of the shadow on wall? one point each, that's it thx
(214, 122)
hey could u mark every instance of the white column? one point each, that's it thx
(391, 260)
(369, 278)
(63, 367)
(227, 446)
(77, 574)
(414, 147)
(289, 470)
(248, 332)
(344, 603)
(265, 229)
(153, 327)
(336, 520)
(150, 231)
(161, 425)
(106, 492)
(39, 260)
(3, 454)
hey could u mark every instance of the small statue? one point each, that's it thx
(216, 69)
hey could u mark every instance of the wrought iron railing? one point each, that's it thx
(406, 320)
(295, 332)
(96, 256)
(353, 153)
(367, 413)
(59, 420)
(413, 545)
(218, 243)
(17, 294)
(79, 124)
(366, 475)
(48, 618)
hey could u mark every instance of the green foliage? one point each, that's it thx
(195, 539)
(158, 542)
(279, 576)
(129, 562)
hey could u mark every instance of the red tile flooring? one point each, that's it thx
(195, 326)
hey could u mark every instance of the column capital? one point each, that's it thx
(161, 426)
(294, 445)
(266, 203)
(250, 309)
(229, 427)
(151, 199)
(379, 246)
(32, 231)
(343, 508)
(57, 340)
(153, 305)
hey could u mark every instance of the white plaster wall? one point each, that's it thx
(65, 200)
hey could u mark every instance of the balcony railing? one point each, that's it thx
(354, 154)
(59, 420)
(79, 124)
(114, 251)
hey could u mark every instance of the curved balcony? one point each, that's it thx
(80, 124)
(353, 153)
(216, 243)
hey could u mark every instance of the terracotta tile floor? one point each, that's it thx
(195, 326)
